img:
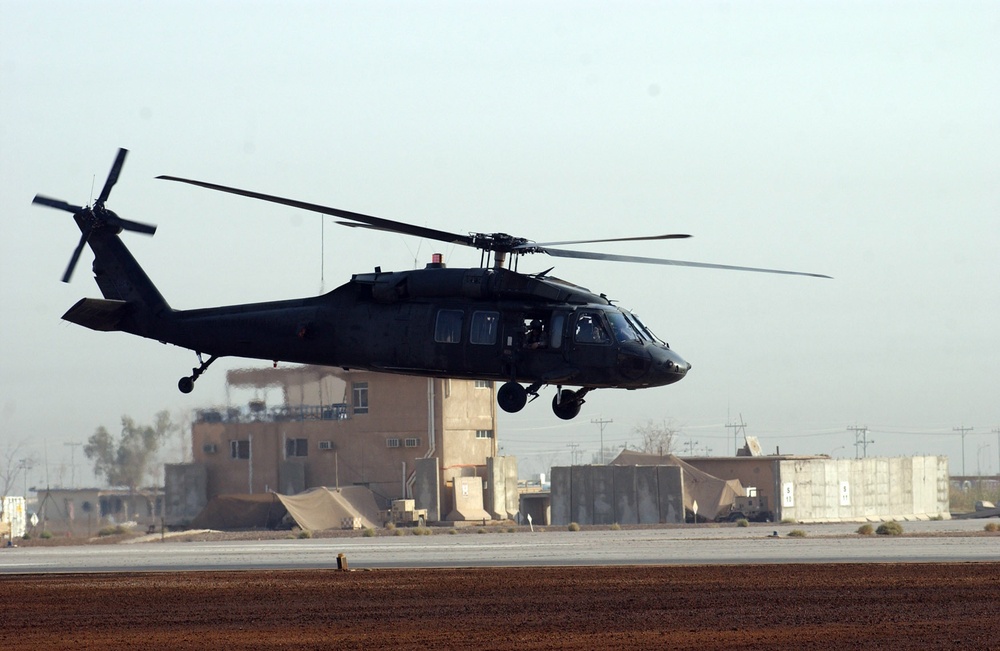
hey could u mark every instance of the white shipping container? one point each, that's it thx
(13, 516)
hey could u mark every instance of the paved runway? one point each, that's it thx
(936, 542)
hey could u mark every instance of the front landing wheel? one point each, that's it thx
(185, 384)
(566, 404)
(512, 397)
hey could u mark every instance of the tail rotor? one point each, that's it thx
(95, 218)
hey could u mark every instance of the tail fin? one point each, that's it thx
(133, 302)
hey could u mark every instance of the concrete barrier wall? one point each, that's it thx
(427, 487)
(670, 486)
(560, 485)
(625, 495)
(502, 499)
(617, 494)
(903, 488)
(603, 491)
(647, 495)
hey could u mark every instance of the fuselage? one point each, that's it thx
(464, 323)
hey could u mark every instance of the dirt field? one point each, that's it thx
(904, 606)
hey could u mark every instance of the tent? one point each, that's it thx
(315, 510)
(323, 508)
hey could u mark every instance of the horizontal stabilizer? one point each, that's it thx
(97, 313)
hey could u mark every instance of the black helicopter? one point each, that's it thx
(489, 323)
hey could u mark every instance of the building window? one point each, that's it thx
(448, 328)
(239, 449)
(484, 384)
(296, 448)
(412, 443)
(360, 397)
(484, 433)
(392, 443)
(484, 328)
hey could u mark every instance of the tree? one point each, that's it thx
(128, 461)
(656, 438)
(13, 462)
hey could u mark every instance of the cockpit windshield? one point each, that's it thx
(646, 331)
(623, 329)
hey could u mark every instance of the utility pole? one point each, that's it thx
(25, 465)
(72, 462)
(690, 447)
(601, 422)
(861, 441)
(996, 430)
(573, 452)
(963, 430)
(738, 428)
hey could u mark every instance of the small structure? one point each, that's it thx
(662, 489)
(13, 517)
(84, 511)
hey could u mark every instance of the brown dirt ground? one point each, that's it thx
(885, 606)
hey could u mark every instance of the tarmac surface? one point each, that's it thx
(683, 588)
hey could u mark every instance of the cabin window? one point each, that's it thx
(448, 329)
(556, 330)
(359, 392)
(296, 448)
(535, 334)
(590, 329)
(239, 449)
(484, 328)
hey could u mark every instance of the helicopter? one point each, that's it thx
(489, 323)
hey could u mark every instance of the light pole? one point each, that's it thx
(25, 465)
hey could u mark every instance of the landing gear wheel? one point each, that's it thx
(512, 397)
(566, 404)
(186, 384)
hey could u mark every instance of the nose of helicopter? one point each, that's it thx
(670, 366)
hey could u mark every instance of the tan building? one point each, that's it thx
(85, 511)
(341, 428)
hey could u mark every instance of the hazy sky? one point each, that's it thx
(858, 140)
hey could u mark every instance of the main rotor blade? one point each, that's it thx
(562, 253)
(376, 222)
(671, 236)
(113, 175)
(76, 255)
(56, 203)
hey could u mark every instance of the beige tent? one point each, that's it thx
(315, 510)
(713, 495)
(323, 508)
